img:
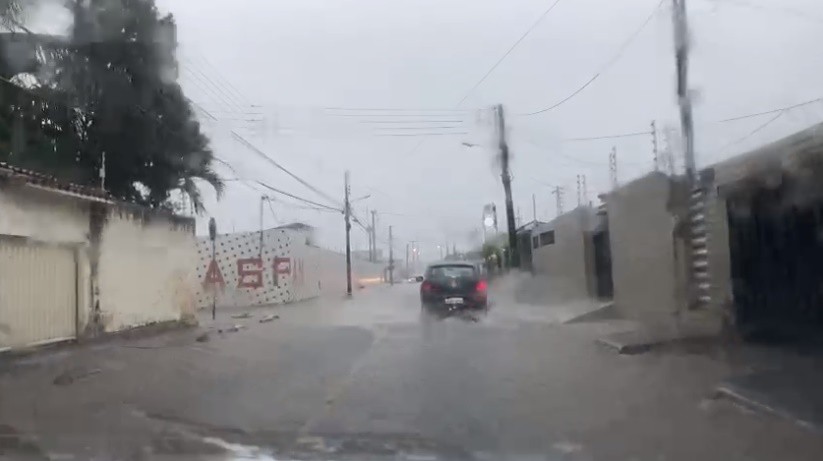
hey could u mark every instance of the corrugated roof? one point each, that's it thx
(47, 182)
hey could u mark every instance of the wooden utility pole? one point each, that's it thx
(505, 176)
(347, 217)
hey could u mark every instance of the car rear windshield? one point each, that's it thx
(451, 271)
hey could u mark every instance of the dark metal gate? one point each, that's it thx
(603, 264)
(777, 269)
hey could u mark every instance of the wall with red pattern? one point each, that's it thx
(272, 267)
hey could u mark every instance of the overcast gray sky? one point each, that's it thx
(291, 59)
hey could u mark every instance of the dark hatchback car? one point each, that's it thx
(454, 285)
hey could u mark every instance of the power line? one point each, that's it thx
(450, 127)
(508, 52)
(753, 132)
(192, 68)
(264, 156)
(393, 115)
(420, 134)
(238, 94)
(377, 109)
(611, 136)
(731, 119)
(287, 194)
(412, 121)
(772, 111)
(207, 89)
(605, 67)
(273, 215)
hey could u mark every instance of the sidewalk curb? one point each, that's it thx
(730, 393)
(622, 348)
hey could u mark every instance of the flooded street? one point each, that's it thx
(371, 378)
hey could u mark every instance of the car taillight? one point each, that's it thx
(426, 287)
(481, 287)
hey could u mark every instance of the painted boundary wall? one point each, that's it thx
(130, 265)
(277, 267)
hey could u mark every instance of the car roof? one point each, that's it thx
(452, 263)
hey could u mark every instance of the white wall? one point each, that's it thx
(43, 216)
(145, 269)
(303, 271)
(145, 258)
(566, 267)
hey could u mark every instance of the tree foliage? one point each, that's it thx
(109, 93)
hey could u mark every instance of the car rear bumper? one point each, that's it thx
(471, 301)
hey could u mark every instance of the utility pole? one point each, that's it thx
(103, 170)
(407, 259)
(558, 195)
(347, 217)
(260, 247)
(655, 154)
(681, 50)
(391, 258)
(506, 177)
(579, 190)
(534, 208)
(585, 191)
(519, 218)
(613, 167)
(368, 234)
(694, 214)
(373, 236)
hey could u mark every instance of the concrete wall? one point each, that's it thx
(566, 267)
(134, 265)
(286, 270)
(647, 282)
(145, 269)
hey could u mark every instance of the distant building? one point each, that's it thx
(307, 230)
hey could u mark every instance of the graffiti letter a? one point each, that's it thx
(213, 275)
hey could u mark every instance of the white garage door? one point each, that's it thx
(37, 294)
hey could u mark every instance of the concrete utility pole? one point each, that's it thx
(579, 191)
(613, 167)
(407, 258)
(655, 153)
(347, 217)
(263, 198)
(585, 191)
(681, 50)
(373, 236)
(506, 177)
(699, 293)
(534, 208)
(391, 257)
(558, 195)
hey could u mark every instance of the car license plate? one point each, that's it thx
(454, 300)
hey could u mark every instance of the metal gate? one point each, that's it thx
(38, 293)
(603, 264)
(777, 270)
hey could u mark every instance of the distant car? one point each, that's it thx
(454, 285)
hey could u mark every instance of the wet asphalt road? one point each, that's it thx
(370, 378)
